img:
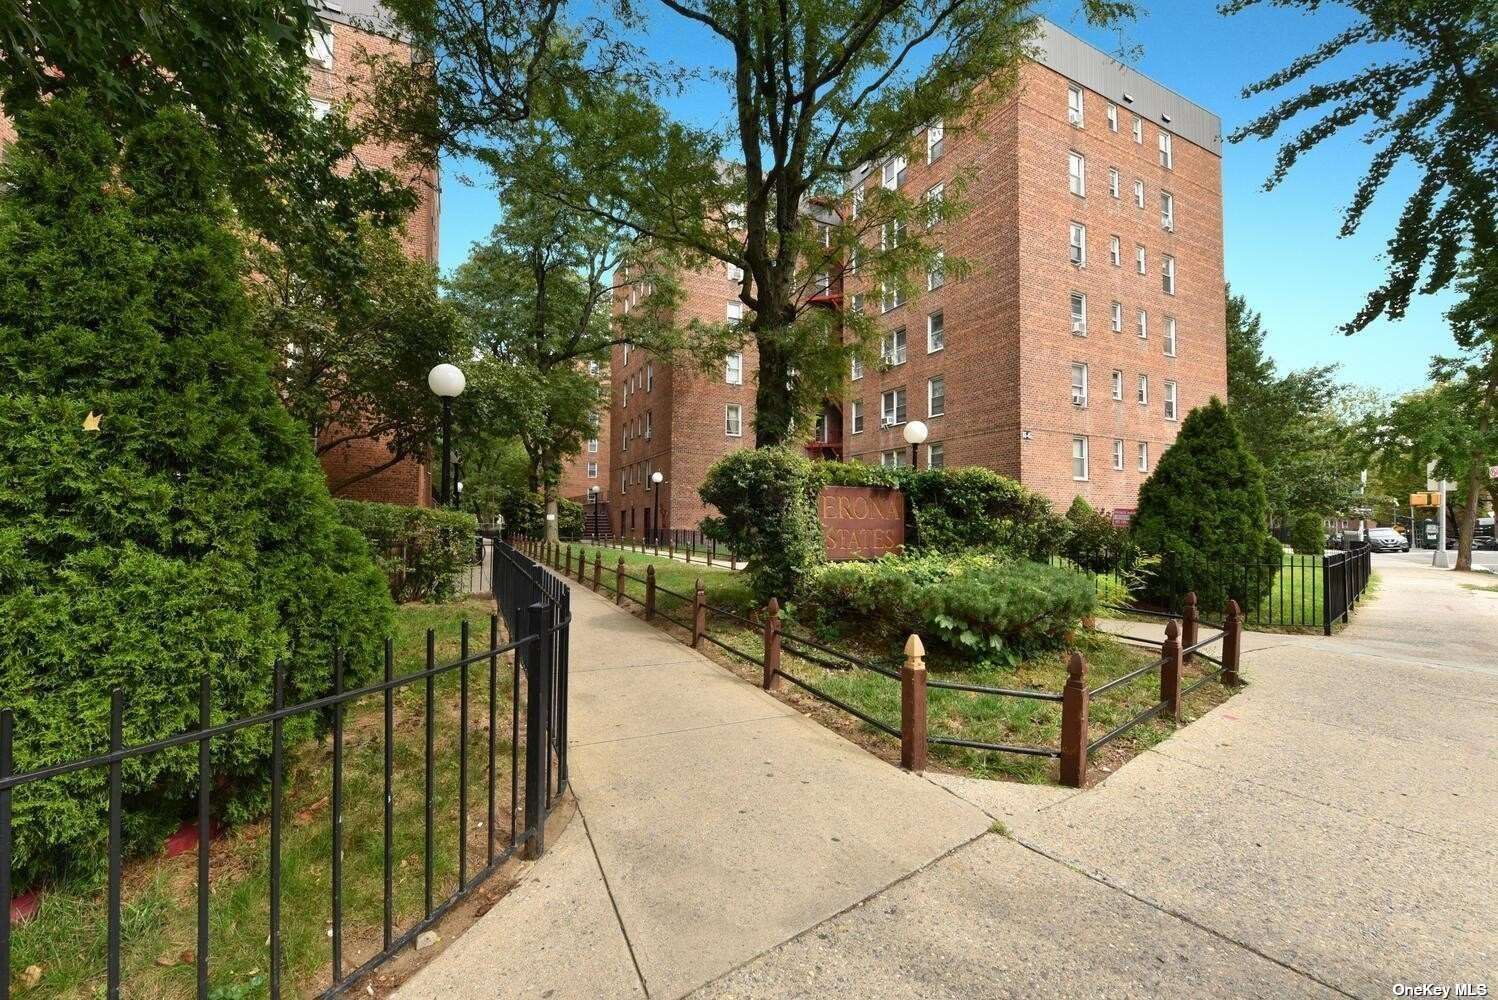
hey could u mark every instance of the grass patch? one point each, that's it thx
(67, 937)
(1490, 588)
(966, 715)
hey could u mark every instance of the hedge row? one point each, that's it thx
(421, 549)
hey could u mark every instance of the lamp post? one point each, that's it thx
(915, 436)
(447, 382)
(656, 478)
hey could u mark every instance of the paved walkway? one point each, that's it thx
(1328, 832)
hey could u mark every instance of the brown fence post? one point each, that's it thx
(1232, 645)
(913, 706)
(772, 645)
(1074, 723)
(699, 614)
(650, 592)
(671, 547)
(597, 569)
(1189, 624)
(689, 550)
(1170, 670)
(708, 551)
(582, 566)
(619, 582)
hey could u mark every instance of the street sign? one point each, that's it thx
(1425, 499)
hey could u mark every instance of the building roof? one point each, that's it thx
(366, 15)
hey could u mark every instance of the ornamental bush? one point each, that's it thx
(1204, 513)
(525, 514)
(161, 515)
(1308, 533)
(766, 498)
(994, 609)
(1093, 542)
(420, 549)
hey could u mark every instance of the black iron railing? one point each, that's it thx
(534, 608)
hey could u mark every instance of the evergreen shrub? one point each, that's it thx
(1308, 533)
(420, 549)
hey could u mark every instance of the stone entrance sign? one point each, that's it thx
(862, 522)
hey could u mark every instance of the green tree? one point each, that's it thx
(1291, 423)
(819, 89)
(1203, 510)
(242, 67)
(1426, 97)
(351, 359)
(162, 516)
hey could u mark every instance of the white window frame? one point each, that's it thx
(320, 48)
(1079, 384)
(1117, 318)
(891, 458)
(890, 298)
(649, 376)
(1167, 150)
(1142, 390)
(1118, 454)
(1078, 301)
(321, 109)
(938, 327)
(1118, 384)
(1079, 454)
(1138, 128)
(1144, 456)
(894, 179)
(1142, 324)
(1141, 262)
(1167, 211)
(894, 347)
(936, 133)
(855, 416)
(889, 408)
(734, 313)
(855, 369)
(1138, 193)
(733, 368)
(1077, 244)
(1115, 251)
(736, 274)
(932, 395)
(1076, 107)
(592, 470)
(1112, 117)
(1170, 336)
(935, 451)
(1171, 401)
(1113, 181)
(937, 276)
(733, 420)
(1168, 274)
(1076, 173)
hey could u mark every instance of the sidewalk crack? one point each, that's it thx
(618, 917)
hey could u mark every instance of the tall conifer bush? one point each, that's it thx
(192, 531)
(1203, 510)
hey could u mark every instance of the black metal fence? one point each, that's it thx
(1289, 591)
(672, 543)
(535, 608)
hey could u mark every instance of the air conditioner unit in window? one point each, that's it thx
(1079, 326)
(885, 422)
(1078, 398)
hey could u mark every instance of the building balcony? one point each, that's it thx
(825, 451)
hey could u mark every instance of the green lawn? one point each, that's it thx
(66, 939)
(965, 715)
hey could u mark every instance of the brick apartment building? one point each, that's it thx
(585, 476)
(1092, 321)
(336, 76)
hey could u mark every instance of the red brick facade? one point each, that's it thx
(589, 468)
(1007, 348)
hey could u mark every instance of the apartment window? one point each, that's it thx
(1167, 151)
(1168, 274)
(1118, 384)
(892, 407)
(854, 258)
(648, 422)
(1079, 458)
(1144, 456)
(936, 134)
(736, 273)
(855, 416)
(624, 483)
(626, 354)
(857, 370)
(733, 368)
(1117, 321)
(735, 313)
(1074, 105)
(1167, 211)
(594, 368)
(1076, 173)
(592, 446)
(855, 302)
(1079, 314)
(892, 348)
(936, 333)
(1144, 390)
(891, 235)
(936, 456)
(858, 197)
(1112, 117)
(937, 276)
(935, 194)
(733, 420)
(823, 283)
(624, 396)
(1144, 325)
(1115, 251)
(1118, 454)
(1139, 259)
(592, 470)
(1138, 129)
(1170, 401)
(320, 49)
(1170, 336)
(320, 108)
(936, 397)
(1138, 194)
(1079, 244)
(1078, 384)
(893, 458)
(891, 297)
(649, 376)
(894, 172)
(1113, 181)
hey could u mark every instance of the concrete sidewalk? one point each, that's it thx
(715, 823)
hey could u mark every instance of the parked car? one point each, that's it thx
(1388, 540)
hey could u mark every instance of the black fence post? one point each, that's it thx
(537, 713)
(1326, 594)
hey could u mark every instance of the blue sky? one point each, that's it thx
(1282, 249)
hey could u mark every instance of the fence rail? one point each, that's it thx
(690, 545)
(535, 610)
(1182, 643)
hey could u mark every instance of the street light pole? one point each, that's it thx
(447, 446)
(656, 478)
(447, 382)
(915, 436)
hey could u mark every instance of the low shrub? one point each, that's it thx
(768, 516)
(421, 549)
(525, 514)
(1093, 542)
(994, 609)
(1308, 534)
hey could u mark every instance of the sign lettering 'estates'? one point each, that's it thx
(862, 522)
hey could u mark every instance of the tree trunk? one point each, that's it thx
(1468, 526)
(553, 533)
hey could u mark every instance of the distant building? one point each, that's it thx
(1092, 322)
(585, 476)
